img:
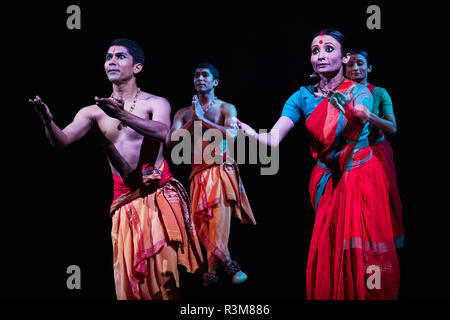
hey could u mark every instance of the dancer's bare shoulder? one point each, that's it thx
(184, 113)
(158, 107)
(227, 108)
(154, 102)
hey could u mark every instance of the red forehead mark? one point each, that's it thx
(321, 34)
(114, 50)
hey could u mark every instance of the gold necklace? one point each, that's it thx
(208, 105)
(121, 124)
(329, 93)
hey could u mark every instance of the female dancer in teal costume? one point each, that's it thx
(382, 120)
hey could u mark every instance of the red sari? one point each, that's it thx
(352, 253)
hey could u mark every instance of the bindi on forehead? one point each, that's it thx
(324, 41)
(321, 41)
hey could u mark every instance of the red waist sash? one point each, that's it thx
(128, 189)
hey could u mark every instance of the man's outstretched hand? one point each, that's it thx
(113, 107)
(41, 108)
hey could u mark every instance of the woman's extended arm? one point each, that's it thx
(273, 138)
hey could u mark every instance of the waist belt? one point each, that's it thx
(375, 141)
(352, 164)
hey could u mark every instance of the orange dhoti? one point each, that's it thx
(217, 194)
(152, 232)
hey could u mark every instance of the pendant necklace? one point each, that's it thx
(121, 124)
(208, 106)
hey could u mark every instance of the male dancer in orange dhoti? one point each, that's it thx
(152, 230)
(217, 192)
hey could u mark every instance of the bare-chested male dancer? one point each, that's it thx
(152, 230)
(216, 189)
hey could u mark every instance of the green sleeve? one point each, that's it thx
(385, 103)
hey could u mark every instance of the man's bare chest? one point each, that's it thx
(116, 130)
(213, 115)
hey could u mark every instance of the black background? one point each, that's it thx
(56, 207)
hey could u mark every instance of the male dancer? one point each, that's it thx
(216, 189)
(152, 230)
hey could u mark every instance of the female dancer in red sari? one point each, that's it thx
(352, 253)
(382, 120)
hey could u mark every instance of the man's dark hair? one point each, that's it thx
(211, 67)
(133, 48)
